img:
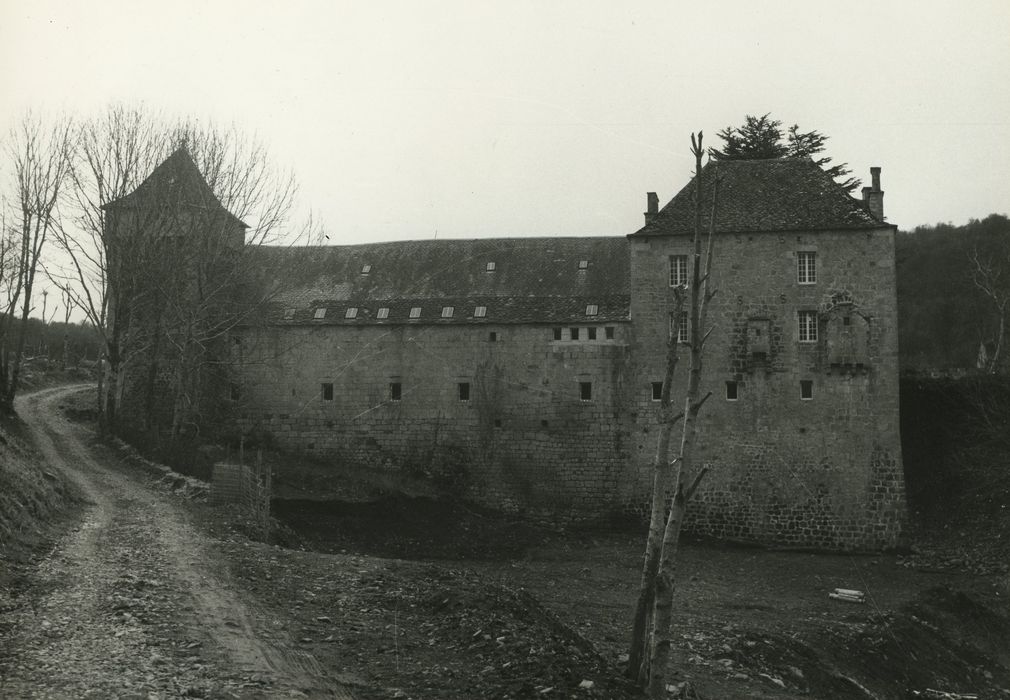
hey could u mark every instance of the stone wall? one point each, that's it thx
(821, 471)
(520, 435)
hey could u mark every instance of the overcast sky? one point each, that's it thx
(470, 119)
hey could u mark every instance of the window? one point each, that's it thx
(682, 336)
(583, 264)
(327, 390)
(415, 312)
(351, 312)
(289, 314)
(489, 267)
(365, 269)
(447, 311)
(657, 391)
(591, 332)
(586, 391)
(383, 312)
(806, 267)
(479, 311)
(395, 391)
(609, 330)
(557, 334)
(678, 270)
(806, 389)
(492, 337)
(319, 313)
(731, 391)
(808, 326)
(574, 332)
(592, 309)
(464, 391)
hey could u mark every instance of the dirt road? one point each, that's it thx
(135, 602)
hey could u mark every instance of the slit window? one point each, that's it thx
(415, 312)
(383, 312)
(479, 311)
(591, 333)
(463, 389)
(678, 270)
(609, 332)
(586, 391)
(806, 389)
(808, 326)
(327, 391)
(806, 267)
(447, 311)
(319, 313)
(365, 269)
(657, 391)
(490, 267)
(731, 391)
(395, 391)
(351, 312)
(592, 309)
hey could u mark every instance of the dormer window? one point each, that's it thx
(383, 312)
(365, 269)
(415, 312)
(592, 309)
(583, 264)
(289, 314)
(319, 313)
(447, 311)
(479, 311)
(351, 312)
(490, 267)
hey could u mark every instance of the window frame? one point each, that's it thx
(395, 391)
(319, 313)
(807, 326)
(585, 391)
(448, 311)
(326, 391)
(675, 272)
(383, 312)
(351, 312)
(806, 267)
(463, 391)
(415, 312)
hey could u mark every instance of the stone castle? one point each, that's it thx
(524, 373)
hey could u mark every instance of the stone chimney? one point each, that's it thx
(873, 196)
(651, 205)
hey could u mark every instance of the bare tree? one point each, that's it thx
(991, 275)
(39, 157)
(648, 655)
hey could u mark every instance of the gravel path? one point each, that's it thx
(135, 602)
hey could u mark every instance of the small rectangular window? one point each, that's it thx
(808, 326)
(806, 267)
(289, 314)
(731, 391)
(479, 311)
(490, 267)
(352, 312)
(583, 264)
(395, 391)
(586, 391)
(464, 391)
(492, 337)
(657, 391)
(447, 311)
(682, 336)
(415, 312)
(365, 269)
(557, 334)
(573, 333)
(592, 309)
(327, 390)
(383, 312)
(609, 330)
(320, 312)
(806, 389)
(591, 333)
(678, 270)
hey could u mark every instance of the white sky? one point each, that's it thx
(466, 119)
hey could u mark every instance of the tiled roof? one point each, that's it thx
(178, 181)
(534, 280)
(784, 194)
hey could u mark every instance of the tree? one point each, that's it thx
(760, 138)
(39, 158)
(649, 653)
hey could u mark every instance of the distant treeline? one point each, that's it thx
(47, 340)
(947, 319)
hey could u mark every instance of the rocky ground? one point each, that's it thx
(154, 594)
